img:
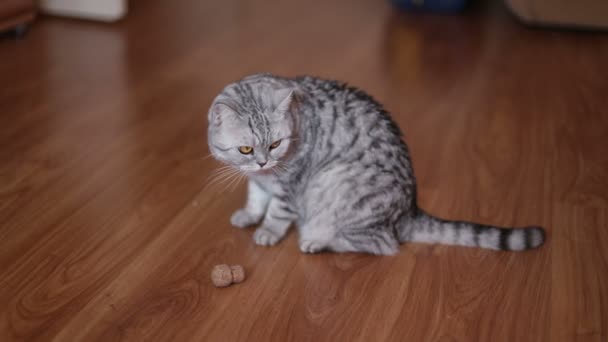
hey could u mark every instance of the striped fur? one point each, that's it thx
(428, 229)
(341, 173)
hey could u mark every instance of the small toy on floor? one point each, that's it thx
(224, 275)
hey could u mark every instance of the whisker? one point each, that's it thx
(234, 180)
(284, 166)
(237, 182)
(220, 170)
(222, 176)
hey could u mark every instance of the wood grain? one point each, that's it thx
(108, 231)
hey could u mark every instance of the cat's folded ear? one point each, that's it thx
(219, 112)
(285, 98)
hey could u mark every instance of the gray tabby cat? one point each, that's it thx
(328, 158)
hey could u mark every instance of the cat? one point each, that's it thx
(328, 158)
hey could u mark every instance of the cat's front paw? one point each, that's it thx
(242, 219)
(265, 237)
(311, 246)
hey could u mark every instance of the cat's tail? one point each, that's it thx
(429, 229)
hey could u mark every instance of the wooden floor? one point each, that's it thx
(108, 231)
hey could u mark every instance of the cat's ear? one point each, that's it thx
(220, 112)
(285, 97)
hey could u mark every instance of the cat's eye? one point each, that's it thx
(275, 144)
(245, 149)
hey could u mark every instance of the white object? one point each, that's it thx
(103, 10)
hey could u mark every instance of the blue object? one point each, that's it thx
(430, 5)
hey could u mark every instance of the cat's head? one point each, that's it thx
(251, 129)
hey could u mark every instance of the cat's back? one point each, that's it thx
(355, 158)
(347, 115)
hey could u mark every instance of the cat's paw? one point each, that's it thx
(265, 237)
(242, 219)
(311, 246)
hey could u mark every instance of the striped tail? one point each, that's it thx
(428, 229)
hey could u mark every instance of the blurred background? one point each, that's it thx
(91, 71)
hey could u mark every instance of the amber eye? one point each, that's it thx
(245, 149)
(275, 144)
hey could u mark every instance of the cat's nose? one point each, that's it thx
(262, 164)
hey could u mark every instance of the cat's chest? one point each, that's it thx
(270, 184)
